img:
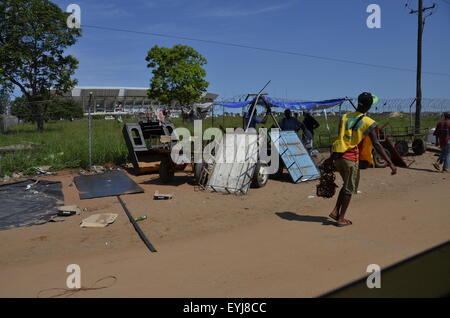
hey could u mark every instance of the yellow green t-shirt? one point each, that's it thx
(352, 131)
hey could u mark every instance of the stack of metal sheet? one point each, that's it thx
(235, 162)
(296, 158)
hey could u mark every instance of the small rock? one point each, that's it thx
(16, 175)
(97, 169)
(6, 179)
(43, 170)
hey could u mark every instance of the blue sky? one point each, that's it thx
(327, 28)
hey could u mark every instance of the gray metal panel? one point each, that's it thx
(295, 156)
(110, 183)
(234, 174)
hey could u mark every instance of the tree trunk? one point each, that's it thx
(183, 115)
(38, 115)
(40, 123)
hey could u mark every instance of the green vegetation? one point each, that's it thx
(33, 38)
(4, 99)
(178, 74)
(56, 110)
(64, 144)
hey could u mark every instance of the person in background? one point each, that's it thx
(160, 115)
(354, 128)
(311, 124)
(291, 123)
(254, 119)
(442, 134)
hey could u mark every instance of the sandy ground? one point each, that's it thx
(273, 242)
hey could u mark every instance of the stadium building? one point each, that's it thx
(125, 100)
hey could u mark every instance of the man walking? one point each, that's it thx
(311, 124)
(251, 118)
(353, 129)
(442, 134)
(291, 123)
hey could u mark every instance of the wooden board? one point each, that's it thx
(395, 156)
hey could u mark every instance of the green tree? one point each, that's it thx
(20, 108)
(33, 37)
(178, 75)
(4, 99)
(57, 109)
(65, 109)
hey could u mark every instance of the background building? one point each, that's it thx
(123, 100)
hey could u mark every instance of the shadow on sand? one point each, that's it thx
(419, 169)
(290, 216)
(177, 181)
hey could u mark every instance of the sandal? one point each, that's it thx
(331, 216)
(347, 223)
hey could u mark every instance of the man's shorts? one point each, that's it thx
(349, 172)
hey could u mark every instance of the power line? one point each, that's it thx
(332, 59)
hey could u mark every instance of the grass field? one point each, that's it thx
(64, 144)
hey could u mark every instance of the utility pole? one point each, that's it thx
(420, 24)
(90, 131)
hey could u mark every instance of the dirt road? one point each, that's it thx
(274, 242)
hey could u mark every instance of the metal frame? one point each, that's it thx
(243, 177)
(295, 164)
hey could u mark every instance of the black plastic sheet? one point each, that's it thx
(110, 183)
(20, 206)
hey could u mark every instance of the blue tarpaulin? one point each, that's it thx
(236, 104)
(293, 105)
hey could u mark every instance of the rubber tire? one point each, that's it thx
(419, 147)
(280, 172)
(259, 180)
(363, 164)
(166, 171)
(378, 160)
(402, 147)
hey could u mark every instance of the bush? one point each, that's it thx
(55, 110)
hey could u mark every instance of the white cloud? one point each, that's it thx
(108, 10)
(239, 12)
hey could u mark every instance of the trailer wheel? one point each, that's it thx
(418, 147)
(378, 159)
(280, 172)
(260, 177)
(166, 170)
(402, 147)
